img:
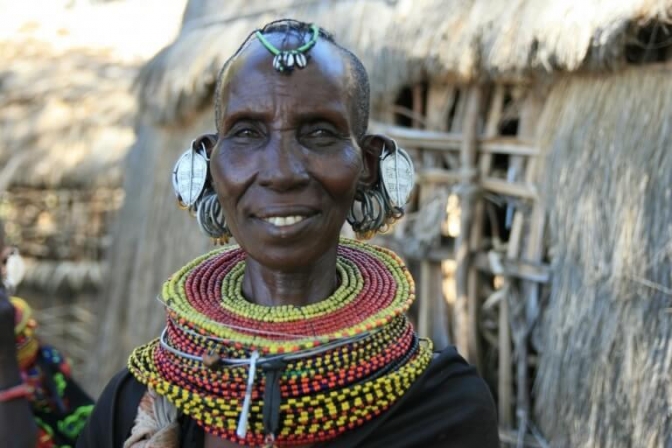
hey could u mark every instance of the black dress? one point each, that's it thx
(449, 406)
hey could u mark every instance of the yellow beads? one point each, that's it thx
(324, 391)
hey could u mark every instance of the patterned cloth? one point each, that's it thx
(59, 405)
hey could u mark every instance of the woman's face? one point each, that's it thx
(286, 164)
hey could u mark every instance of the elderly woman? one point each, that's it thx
(295, 337)
(40, 405)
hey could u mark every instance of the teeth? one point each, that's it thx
(280, 221)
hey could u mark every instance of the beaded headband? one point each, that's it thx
(286, 60)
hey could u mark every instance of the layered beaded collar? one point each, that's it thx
(285, 375)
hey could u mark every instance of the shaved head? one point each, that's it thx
(291, 30)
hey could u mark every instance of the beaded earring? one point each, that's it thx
(195, 194)
(378, 207)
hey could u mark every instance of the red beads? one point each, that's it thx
(347, 358)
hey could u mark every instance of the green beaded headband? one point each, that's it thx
(286, 60)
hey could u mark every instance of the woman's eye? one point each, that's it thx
(246, 133)
(320, 133)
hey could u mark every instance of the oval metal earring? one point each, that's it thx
(15, 270)
(396, 174)
(189, 176)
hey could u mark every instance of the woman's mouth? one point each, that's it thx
(284, 221)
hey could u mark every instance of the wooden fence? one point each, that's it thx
(476, 143)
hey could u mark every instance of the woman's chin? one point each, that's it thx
(288, 248)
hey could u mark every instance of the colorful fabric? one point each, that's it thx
(59, 405)
(323, 369)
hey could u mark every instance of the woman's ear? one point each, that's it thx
(372, 148)
(206, 142)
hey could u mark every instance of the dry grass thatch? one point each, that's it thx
(604, 375)
(66, 110)
(404, 41)
(152, 239)
(66, 116)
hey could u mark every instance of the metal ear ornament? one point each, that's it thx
(190, 174)
(15, 269)
(397, 174)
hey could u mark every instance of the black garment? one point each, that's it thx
(449, 406)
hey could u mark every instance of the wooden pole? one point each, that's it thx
(418, 105)
(463, 314)
(532, 252)
(505, 363)
(476, 231)
(433, 309)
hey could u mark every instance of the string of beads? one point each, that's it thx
(345, 360)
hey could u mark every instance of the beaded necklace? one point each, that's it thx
(285, 375)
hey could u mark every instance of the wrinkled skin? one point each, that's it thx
(286, 148)
(17, 427)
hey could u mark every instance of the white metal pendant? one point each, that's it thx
(16, 269)
(397, 175)
(189, 176)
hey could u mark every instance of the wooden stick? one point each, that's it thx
(476, 230)
(516, 189)
(505, 377)
(418, 105)
(465, 306)
(533, 252)
(440, 97)
(439, 100)
(451, 142)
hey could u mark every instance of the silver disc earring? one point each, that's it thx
(15, 269)
(397, 174)
(189, 175)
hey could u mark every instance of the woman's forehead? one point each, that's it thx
(327, 73)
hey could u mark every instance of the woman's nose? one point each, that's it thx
(284, 165)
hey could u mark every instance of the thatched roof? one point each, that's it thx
(604, 373)
(66, 107)
(65, 116)
(404, 41)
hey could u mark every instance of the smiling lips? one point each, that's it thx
(282, 221)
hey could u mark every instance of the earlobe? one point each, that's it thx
(384, 186)
(206, 142)
(372, 148)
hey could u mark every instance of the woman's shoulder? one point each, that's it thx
(454, 380)
(449, 405)
(114, 413)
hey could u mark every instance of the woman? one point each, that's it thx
(40, 405)
(296, 337)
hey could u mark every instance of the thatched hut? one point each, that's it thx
(66, 123)
(510, 109)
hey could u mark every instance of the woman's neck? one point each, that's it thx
(298, 287)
